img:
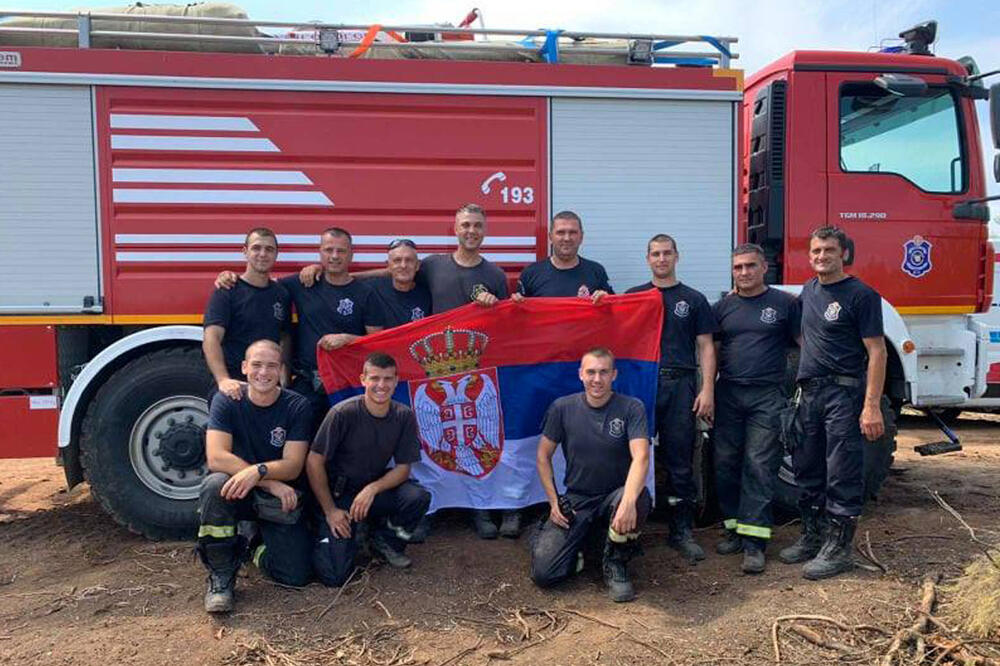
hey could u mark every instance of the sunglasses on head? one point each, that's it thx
(399, 242)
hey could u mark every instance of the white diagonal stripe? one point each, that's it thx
(282, 197)
(248, 176)
(309, 239)
(205, 143)
(164, 122)
(286, 257)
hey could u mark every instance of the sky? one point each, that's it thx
(766, 29)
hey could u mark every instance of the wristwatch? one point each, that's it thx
(262, 470)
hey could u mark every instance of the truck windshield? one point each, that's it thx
(917, 138)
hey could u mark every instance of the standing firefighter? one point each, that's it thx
(256, 448)
(756, 326)
(604, 439)
(685, 345)
(840, 402)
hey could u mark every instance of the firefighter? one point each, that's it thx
(565, 273)
(685, 346)
(337, 310)
(841, 375)
(402, 299)
(255, 308)
(756, 326)
(256, 447)
(347, 470)
(605, 442)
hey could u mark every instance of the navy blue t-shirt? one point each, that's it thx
(401, 307)
(686, 315)
(543, 279)
(260, 433)
(248, 314)
(754, 335)
(835, 318)
(325, 308)
(595, 440)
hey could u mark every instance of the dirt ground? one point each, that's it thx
(77, 589)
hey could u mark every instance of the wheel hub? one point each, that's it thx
(167, 446)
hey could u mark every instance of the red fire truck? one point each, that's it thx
(129, 177)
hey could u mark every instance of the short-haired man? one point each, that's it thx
(256, 448)
(685, 346)
(402, 299)
(332, 313)
(604, 438)
(757, 324)
(841, 376)
(349, 475)
(255, 308)
(565, 273)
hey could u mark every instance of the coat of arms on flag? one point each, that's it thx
(458, 411)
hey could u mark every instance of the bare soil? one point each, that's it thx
(75, 588)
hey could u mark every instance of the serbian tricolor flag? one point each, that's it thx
(481, 379)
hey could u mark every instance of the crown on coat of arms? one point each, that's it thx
(449, 351)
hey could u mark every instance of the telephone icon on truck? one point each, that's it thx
(499, 176)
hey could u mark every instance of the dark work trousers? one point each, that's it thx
(829, 463)
(747, 454)
(554, 549)
(319, 403)
(286, 553)
(394, 515)
(675, 425)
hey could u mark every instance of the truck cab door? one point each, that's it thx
(897, 165)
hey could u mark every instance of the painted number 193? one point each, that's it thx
(517, 195)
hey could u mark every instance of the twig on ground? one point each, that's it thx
(384, 609)
(867, 552)
(912, 634)
(815, 638)
(984, 545)
(589, 617)
(337, 596)
(463, 653)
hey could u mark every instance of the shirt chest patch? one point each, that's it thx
(279, 310)
(346, 307)
(416, 313)
(832, 312)
(616, 427)
(682, 309)
(583, 291)
(278, 437)
(769, 315)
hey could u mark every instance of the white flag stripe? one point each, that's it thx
(248, 176)
(164, 122)
(280, 197)
(286, 257)
(310, 239)
(200, 143)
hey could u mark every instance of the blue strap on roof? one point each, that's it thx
(719, 46)
(550, 49)
(666, 58)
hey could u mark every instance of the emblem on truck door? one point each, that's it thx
(917, 257)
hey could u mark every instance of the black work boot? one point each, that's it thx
(753, 555)
(510, 525)
(730, 545)
(809, 542)
(222, 560)
(835, 556)
(615, 567)
(681, 538)
(482, 521)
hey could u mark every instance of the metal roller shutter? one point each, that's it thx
(49, 260)
(635, 168)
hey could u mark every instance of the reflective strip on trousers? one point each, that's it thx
(257, 554)
(217, 531)
(729, 523)
(753, 531)
(614, 537)
(399, 531)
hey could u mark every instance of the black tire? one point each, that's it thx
(142, 471)
(707, 509)
(878, 459)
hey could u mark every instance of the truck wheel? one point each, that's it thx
(143, 442)
(877, 461)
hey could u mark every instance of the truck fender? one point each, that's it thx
(75, 405)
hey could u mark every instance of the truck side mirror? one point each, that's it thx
(995, 127)
(902, 85)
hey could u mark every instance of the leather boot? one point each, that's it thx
(809, 542)
(681, 537)
(222, 560)
(615, 568)
(753, 555)
(835, 556)
(730, 545)
(483, 523)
